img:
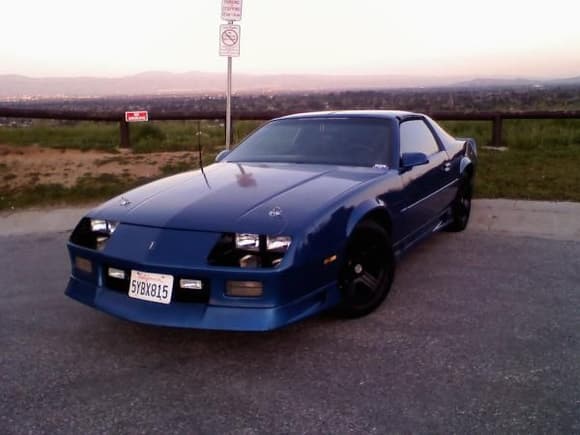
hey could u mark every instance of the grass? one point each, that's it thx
(524, 134)
(177, 167)
(87, 189)
(60, 134)
(542, 160)
(148, 137)
(550, 173)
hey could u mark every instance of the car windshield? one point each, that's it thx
(335, 141)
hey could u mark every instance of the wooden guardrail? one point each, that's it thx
(496, 118)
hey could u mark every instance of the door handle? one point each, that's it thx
(447, 166)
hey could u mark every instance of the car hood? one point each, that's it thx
(263, 198)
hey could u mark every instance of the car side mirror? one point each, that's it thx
(410, 160)
(222, 155)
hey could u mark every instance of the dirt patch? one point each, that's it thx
(25, 166)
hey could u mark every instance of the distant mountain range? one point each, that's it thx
(513, 82)
(196, 83)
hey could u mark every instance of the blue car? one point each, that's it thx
(309, 212)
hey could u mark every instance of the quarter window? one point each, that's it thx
(417, 138)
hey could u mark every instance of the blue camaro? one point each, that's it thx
(307, 213)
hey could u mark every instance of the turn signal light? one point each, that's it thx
(244, 289)
(84, 264)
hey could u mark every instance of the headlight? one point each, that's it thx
(93, 233)
(252, 242)
(103, 226)
(248, 250)
(248, 242)
(278, 243)
(103, 230)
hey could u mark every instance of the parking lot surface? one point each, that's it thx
(480, 334)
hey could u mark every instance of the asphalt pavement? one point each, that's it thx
(480, 334)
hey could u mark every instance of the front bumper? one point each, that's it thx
(201, 316)
(291, 292)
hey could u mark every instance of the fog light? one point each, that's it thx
(190, 284)
(246, 289)
(116, 273)
(84, 264)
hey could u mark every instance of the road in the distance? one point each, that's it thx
(481, 334)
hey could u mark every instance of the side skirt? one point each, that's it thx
(438, 224)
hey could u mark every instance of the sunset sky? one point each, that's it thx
(438, 38)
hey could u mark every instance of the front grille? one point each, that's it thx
(178, 294)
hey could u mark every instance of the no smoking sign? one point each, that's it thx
(230, 40)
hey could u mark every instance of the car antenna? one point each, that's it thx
(199, 152)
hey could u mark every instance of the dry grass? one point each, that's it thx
(40, 176)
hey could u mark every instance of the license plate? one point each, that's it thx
(152, 287)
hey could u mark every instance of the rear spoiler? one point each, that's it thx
(470, 143)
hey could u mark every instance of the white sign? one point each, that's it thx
(139, 116)
(230, 40)
(231, 10)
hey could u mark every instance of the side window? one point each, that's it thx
(417, 138)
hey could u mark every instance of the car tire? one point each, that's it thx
(367, 270)
(461, 207)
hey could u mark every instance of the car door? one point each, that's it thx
(423, 186)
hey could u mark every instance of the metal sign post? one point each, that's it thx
(230, 47)
(229, 105)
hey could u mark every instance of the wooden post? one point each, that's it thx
(496, 134)
(125, 136)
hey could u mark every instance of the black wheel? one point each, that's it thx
(367, 270)
(461, 208)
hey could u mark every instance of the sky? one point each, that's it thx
(507, 38)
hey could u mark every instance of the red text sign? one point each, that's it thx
(139, 116)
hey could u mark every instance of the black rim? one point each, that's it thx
(464, 203)
(365, 270)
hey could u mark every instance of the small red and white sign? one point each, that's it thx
(138, 116)
(231, 10)
(230, 40)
